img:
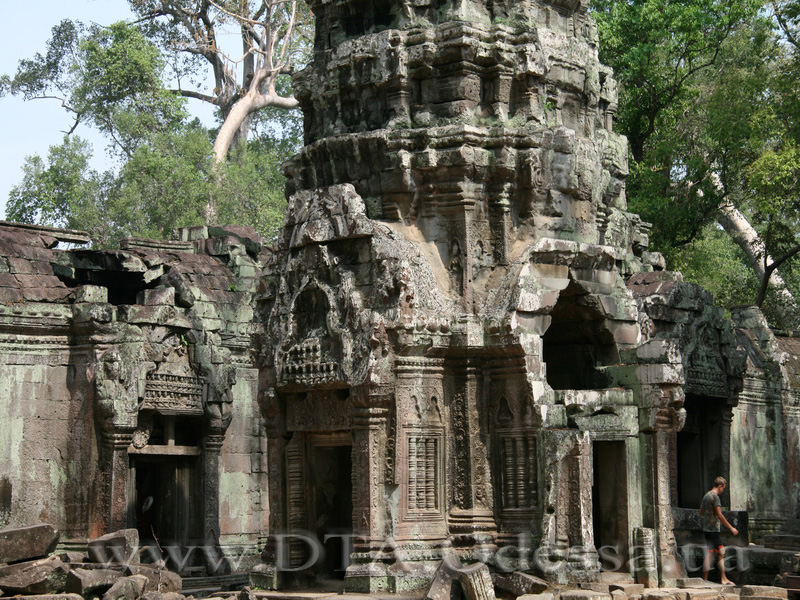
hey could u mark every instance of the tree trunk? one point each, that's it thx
(230, 126)
(237, 117)
(746, 237)
(241, 110)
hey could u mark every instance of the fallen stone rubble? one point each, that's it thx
(473, 590)
(31, 569)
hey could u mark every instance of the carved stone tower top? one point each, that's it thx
(481, 124)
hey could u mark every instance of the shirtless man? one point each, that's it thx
(711, 512)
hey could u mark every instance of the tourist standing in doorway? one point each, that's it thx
(711, 512)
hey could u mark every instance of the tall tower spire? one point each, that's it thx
(480, 123)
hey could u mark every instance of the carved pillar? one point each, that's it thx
(673, 466)
(115, 448)
(266, 575)
(369, 452)
(276, 447)
(212, 446)
(471, 520)
(552, 554)
(567, 549)
(665, 427)
(296, 508)
(582, 560)
(502, 95)
(645, 557)
(501, 225)
(370, 422)
(726, 419)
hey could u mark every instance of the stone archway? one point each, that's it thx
(577, 342)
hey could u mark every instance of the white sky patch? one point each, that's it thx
(32, 127)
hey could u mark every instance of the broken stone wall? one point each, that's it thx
(765, 447)
(120, 373)
(48, 445)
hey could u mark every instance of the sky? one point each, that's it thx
(32, 127)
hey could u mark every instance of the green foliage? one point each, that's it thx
(163, 176)
(716, 263)
(708, 99)
(655, 48)
(164, 184)
(109, 77)
(252, 189)
(61, 191)
(775, 178)
(696, 158)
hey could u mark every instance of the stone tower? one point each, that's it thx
(458, 349)
(455, 346)
(479, 125)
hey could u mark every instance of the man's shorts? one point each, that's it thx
(713, 540)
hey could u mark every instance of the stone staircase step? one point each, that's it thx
(763, 591)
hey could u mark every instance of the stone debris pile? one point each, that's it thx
(454, 581)
(109, 571)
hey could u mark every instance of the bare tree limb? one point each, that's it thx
(765, 267)
(196, 96)
(784, 25)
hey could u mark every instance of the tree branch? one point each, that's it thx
(746, 237)
(196, 96)
(785, 26)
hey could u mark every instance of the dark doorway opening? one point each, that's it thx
(610, 504)
(169, 509)
(331, 493)
(577, 342)
(700, 448)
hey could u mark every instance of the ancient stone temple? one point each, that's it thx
(464, 332)
(120, 370)
(459, 346)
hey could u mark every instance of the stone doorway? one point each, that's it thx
(610, 504)
(168, 509)
(319, 505)
(166, 487)
(701, 448)
(330, 489)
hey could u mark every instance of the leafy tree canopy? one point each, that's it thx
(167, 171)
(709, 102)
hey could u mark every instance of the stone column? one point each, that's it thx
(670, 567)
(212, 445)
(266, 575)
(567, 551)
(582, 560)
(115, 446)
(471, 520)
(370, 422)
(501, 225)
(726, 420)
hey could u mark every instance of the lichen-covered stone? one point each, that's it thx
(90, 581)
(116, 547)
(25, 543)
(45, 576)
(126, 588)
